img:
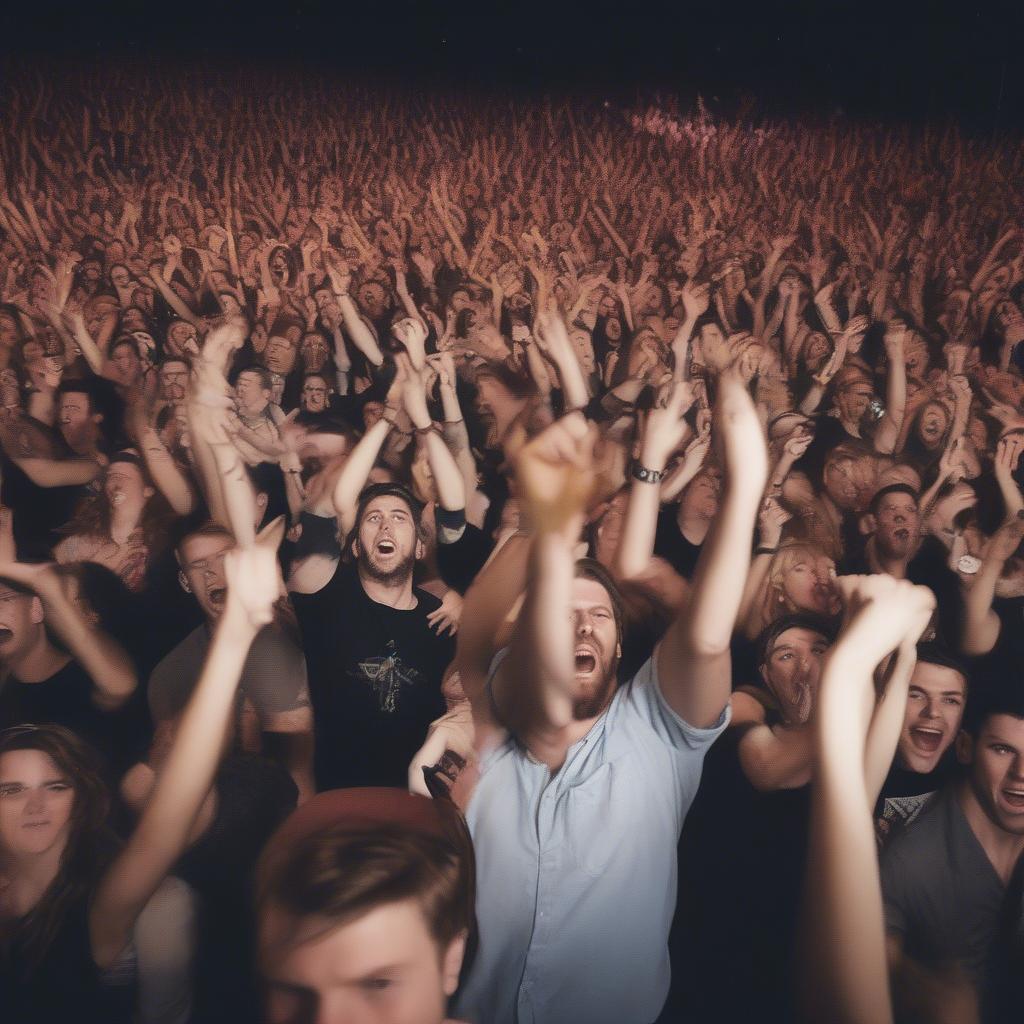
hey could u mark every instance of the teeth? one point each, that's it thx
(117, 498)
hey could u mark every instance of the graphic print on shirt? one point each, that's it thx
(388, 674)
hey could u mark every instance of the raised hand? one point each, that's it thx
(254, 577)
(664, 426)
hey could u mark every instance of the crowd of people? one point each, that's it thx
(515, 560)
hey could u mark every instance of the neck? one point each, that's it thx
(881, 562)
(39, 661)
(29, 877)
(693, 527)
(551, 746)
(394, 593)
(1002, 848)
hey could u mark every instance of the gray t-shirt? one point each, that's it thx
(942, 895)
(273, 679)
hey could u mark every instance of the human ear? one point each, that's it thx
(451, 963)
(183, 581)
(867, 524)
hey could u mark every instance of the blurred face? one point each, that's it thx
(701, 497)
(126, 359)
(173, 380)
(120, 277)
(596, 648)
(609, 531)
(202, 564)
(279, 355)
(182, 338)
(841, 482)
(8, 330)
(125, 487)
(584, 349)
(932, 425)
(74, 417)
(382, 968)
(793, 670)
(386, 546)
(935, 707)
(916, 355)
(613, 329)
(816, 350)
(853, 401)
(897, 521)
(314, 352)
(19, 613)
(372, 300)
(251, 394)
(808, 583)
(314, 394)
(996, 758)
(36, 799)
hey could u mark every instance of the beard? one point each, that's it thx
(397, 573)
(592, 702)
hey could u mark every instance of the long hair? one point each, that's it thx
(90, 843)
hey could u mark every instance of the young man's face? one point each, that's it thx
(74, 416)
(897, 521)
(173, 380)
(384, 967)
(314, 394)
(20, 619)
(793, 670)
(202, 564)
(252, 396)
(386, 545)
(595, 650)
(935, 708)
(996, 758)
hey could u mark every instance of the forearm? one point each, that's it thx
(355, 472)
(168, 477)
(636, 546)
(451, 491)
(361, 335)
(58, 472)
(981, 624)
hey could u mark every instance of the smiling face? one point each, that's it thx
(386, 546)
(596, 651)
(793, 669)
(996, 757)
(383, 966)
(36, 801)
(935, 708)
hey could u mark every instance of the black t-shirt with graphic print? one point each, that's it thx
(374, 681)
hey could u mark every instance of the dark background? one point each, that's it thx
(902, 60)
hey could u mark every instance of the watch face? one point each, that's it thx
(969, 564)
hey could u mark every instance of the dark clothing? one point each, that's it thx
(66, 699)
(732, 959)
(374, 680)
(906, 794)
(40, 511)
(670, 544)
(460, 561)
(66, 986)
(942, 895)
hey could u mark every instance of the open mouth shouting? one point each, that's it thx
(217, 596)
(1014, 798)
(6, 635)
(385, 548)
(586, 660)
(926, 738)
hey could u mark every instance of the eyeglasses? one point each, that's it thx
(207, 565)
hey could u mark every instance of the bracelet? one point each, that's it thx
(422, 431)
(645, 475)
(762, 550)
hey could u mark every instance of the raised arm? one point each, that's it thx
(106, 662)
(162, 833)
(694, 665)
(981, 624)
(551, 335)
(845, 975)
(891, 424)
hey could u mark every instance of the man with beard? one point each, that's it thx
(944, 880)
(583, 784)
(375, 663)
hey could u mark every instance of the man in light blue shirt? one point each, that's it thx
(583, 787)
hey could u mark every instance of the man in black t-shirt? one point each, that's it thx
(374, 663)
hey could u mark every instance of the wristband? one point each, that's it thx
(762, 550)
(645, 475)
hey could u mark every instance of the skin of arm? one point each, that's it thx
(108, 665)
(777, 757)
(693, 657)
(981, 624)
(166, 474)
(663, 431)
(58, 472)
(889, 428)
(551, 333)
(163, 831)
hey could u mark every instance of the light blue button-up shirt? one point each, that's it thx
(576, 871)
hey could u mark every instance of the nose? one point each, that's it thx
(930, 710)
(584, 627)
(36, 801)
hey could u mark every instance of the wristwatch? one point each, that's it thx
(645, 475)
